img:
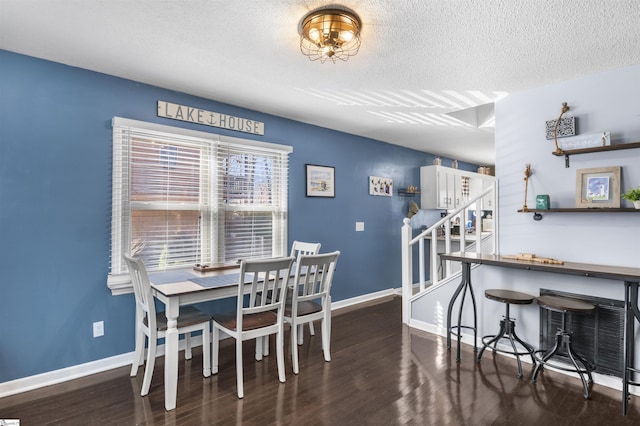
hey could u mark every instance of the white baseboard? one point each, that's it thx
(600, 379)
(58, 376)
(74, 372)
(365, 298)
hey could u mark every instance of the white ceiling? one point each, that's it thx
(419, 59)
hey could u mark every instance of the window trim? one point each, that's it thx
(121, 283)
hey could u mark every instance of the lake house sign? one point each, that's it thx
(209, 118)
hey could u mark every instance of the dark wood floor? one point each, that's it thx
(381, 373)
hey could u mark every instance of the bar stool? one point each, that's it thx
(564, 305)
(508, 325)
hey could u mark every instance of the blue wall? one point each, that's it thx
(55, 206)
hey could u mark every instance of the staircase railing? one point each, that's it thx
(484, 242)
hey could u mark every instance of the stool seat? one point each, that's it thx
(509, 296)
(564, 304)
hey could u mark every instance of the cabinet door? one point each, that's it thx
(461, 188)
(445, 189)
(428, 187)
(433, 185)
(487, 200)
(476, 186)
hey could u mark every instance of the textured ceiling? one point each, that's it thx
(419, 59)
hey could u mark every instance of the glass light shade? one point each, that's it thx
(330, 34)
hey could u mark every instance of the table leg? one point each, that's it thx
(632, 313)
(450, 310)
(475, 310)
(171, 356)
(463, 287)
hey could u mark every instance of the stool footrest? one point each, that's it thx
(487, 340)
(587, 369)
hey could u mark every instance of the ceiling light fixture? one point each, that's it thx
(330, 34)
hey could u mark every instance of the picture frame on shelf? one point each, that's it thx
(321, 181)
(598, 187)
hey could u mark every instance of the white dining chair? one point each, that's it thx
(311, 299)
(153, 325)
(300, 247)
(297, 248)
(258, 315)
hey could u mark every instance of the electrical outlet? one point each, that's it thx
(98, 329)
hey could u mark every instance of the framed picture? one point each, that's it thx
(599, 187)
(380, 186)
(321, 181)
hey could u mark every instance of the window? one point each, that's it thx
(183, 197)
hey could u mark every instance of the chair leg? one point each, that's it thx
(294, 348)
(239, 372)
(280, 354)
(138, 354)
(326, 335)
(312, 330)
(581, 372)
(262, 347)
(546, 357)
(151, 362)
(493, 341)
(259, 343)
(527, 346)
(215, 346)
(206, 351)
(187, 349)
(515, 349)
(301, 334)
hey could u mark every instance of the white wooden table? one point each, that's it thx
(173, 288)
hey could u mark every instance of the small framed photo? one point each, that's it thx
(380, 186)
(598, 188)
(321, 181)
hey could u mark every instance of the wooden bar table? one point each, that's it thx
(629, 276)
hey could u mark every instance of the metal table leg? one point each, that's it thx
(632, 314)
(463, 288)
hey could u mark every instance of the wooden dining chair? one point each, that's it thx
(153, 325)
(258, 315)
(297, 248)
(311, 299)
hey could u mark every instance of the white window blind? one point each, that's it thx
(183, 197)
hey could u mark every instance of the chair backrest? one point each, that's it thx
(268, 279)
(313, 277)
(300, 247)
(141, 288)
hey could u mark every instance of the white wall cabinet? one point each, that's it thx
(487, 200)
(446, 188)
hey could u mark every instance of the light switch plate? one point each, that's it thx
(98, 329)
(359, 226)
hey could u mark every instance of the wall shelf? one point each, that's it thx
(569, 152)
(405, 193)
(537, 214)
